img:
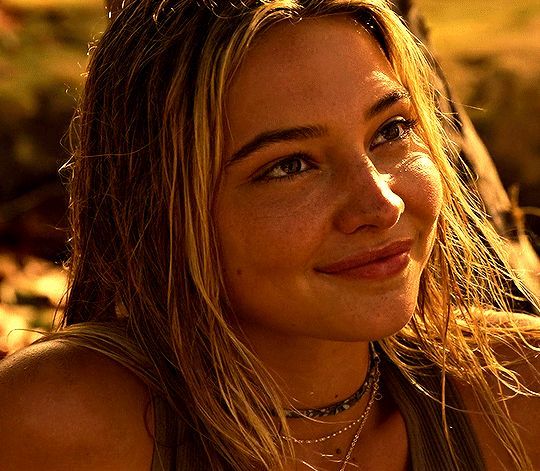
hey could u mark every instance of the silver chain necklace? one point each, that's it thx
(361, 420)
(374, 395)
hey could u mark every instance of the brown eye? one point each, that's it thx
(289, 167)
(391, 132)
(394, 130)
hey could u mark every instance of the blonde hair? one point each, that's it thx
(145, 282)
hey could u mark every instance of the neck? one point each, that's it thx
(311, 372)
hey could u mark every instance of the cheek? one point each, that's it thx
(269, 232)
(421, 187)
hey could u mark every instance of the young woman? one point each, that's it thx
(275, 265)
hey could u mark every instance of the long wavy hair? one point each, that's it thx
(146, 285)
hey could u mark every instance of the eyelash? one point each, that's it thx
(264, 177)
(408, 126)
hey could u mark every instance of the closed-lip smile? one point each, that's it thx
(372, 263)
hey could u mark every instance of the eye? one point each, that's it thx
(289, 167)
(394, 130)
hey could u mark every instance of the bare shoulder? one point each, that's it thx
(523, 409)
(64, 407)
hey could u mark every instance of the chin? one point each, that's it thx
(375, 325)
(376, 333)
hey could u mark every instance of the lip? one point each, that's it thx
(373, 263)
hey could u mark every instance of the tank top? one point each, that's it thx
(178, 448)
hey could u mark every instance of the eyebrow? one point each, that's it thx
(386, 101)
(297, 133)
(279, 135)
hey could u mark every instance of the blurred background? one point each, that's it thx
(490, 52)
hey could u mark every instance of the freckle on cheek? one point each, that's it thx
(239, 272)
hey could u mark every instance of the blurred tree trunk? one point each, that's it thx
(504, 212)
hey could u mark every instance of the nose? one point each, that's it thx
(368, 201)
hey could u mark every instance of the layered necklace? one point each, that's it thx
(347, 403)
(371, 383)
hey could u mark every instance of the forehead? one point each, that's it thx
(310, 72)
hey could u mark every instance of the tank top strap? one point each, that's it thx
(174, 445)
(428, 446)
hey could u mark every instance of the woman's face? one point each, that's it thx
(327, 209)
